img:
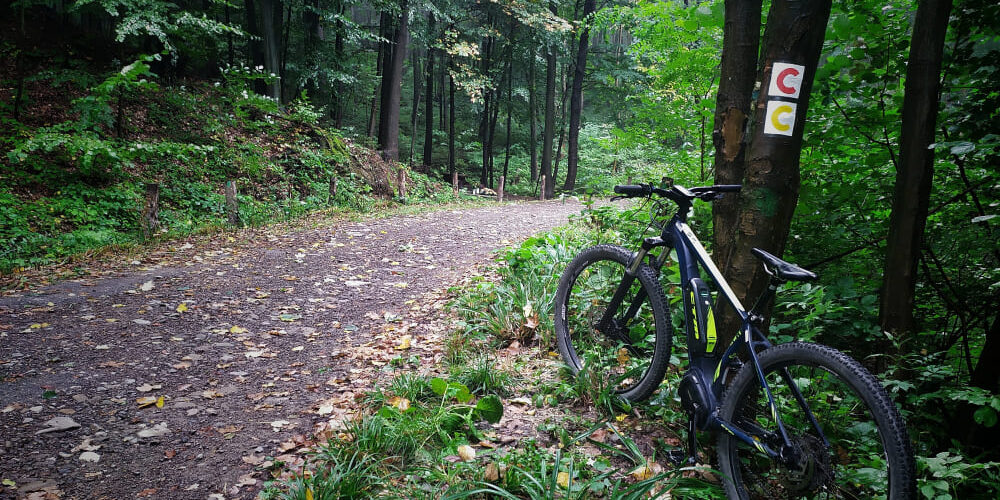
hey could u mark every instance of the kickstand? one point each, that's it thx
(680, 456)
(692, 451)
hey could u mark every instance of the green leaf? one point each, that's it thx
(439, 386)
(962, 148)
(49, 394)
(985, 416)
(490, 408)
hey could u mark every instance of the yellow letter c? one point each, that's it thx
(780, 110)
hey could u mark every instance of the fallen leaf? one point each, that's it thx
(148, 492)
(402, 404)
(182, 307)
(492, 473)
(147, 286)
(146, 401)
(404, 343)
(466, 452)
(237, 330)
(562, 479)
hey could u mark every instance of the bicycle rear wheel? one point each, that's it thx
(863, 450)
(632, 353)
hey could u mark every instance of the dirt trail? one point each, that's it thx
(250, 347)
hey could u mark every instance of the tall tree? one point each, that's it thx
(576, 96)
(793, 39)
(392, 82)
(740, 44)
(915, 170)
(532, 119)
(271, 16)
(429, 102)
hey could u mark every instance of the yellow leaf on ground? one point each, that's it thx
(562, 479)
(622, 356)
(146, 401)
(160, 402)
(404, 343)
(182, 307)
(237, 330)
(402, 404)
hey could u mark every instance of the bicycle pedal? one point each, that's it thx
(677, 457)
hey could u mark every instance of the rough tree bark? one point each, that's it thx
(794, 35)
(388, 137)
(740, 44)
(915, 170)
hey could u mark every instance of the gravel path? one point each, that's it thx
(182, 378)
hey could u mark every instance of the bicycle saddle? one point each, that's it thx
(782, 269)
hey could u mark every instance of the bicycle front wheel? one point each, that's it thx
(850, 443)
(631, 350)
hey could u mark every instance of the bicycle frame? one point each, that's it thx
(703, 353)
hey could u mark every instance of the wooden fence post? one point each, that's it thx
(232, 205)
(401, 183)
(500, 189)
(151, 214)
(454, 183)
(541, 189)
(333, 189)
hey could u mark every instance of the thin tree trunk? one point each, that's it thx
(548, 133)
(576, 97)
(270, 17)
(916, 167)
(532, 110)
(451, 124)
(255, 46)
(429, 107)
(415, 104)
(510, 105)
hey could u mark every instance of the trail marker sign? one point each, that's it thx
(783, 92)
(780, 118)
(786, 80)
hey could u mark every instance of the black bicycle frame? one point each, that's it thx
(706, 366)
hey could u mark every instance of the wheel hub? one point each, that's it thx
(808, 464)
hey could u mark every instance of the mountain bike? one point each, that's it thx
(794, 420)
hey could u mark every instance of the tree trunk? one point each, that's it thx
(338, 52)
(415, 103)
(484, 120)
(151, 212)
(429, 107)
(270, 18)
(793, 40)
(532, 109)
(375, 115)
(916, 167)
(388, 138)
(740, 44)
(548, 133)
(510, 104)
(232, 204)
(255, 45)
(451, 127)
(576, 97)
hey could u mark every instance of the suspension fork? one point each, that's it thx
(631, 272)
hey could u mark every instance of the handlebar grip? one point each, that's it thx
(631, 190)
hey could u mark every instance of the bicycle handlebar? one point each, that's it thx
(678, 194)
